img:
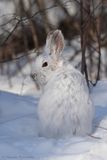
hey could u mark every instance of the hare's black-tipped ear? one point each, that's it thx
(55, 42)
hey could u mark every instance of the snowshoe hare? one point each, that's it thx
(65, 108)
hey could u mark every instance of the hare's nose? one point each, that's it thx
(33, 75)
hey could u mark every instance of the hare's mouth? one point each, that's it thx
(33, 77)
(40, 81)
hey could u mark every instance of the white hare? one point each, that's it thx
(65, 108)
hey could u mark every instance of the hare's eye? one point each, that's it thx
(45, 64)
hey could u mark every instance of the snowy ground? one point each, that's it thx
(19, 127)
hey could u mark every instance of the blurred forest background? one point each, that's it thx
(24, 25)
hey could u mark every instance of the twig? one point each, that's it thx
(22, 86)
(17, 58)
(83, 41)
(10, 33)
(94, 136)
(99, 46)
(101, 127)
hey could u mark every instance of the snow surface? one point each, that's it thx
(19, 128)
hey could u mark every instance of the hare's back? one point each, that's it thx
(68, 78)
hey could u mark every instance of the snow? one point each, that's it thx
(19, 137)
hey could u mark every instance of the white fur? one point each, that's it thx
(65, 108)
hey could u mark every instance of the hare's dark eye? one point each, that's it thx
(50, 53)
(45, 64)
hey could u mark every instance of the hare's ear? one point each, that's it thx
(55, 43)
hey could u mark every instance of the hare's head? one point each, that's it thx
(50, 60)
